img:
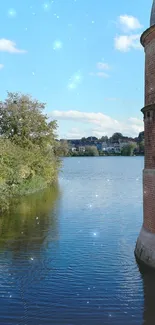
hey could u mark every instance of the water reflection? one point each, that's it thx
(148, 277)
(29, 222)
(24, 262)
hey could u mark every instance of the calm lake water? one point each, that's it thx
(67, 254)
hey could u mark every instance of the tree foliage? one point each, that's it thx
(104, 138)
(141, 147)
(27, 140)
(128, 150)
(62, 148)
(22, 121)
(116, 137)
(91, 151)
(141, 136)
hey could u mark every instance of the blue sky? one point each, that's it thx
(82, 57)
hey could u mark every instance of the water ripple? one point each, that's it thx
(77, 265)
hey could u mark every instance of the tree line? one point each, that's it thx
(129, 149)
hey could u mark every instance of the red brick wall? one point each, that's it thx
(150, 72)
(149, 122)
(149, 201)
(149, 128)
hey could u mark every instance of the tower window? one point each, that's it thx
(148, 114)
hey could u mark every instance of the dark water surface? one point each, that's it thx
(66, 255)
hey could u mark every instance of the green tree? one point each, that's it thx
(141, 147)
(104, 138)
(75, 154)
(27, 140)
(128, 150)
(91, 151)
(62, 149)
(116, 136)
(141, 136)
(22, 121)
(83, 140)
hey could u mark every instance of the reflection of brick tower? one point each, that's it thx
(145, 247)
(149, 297)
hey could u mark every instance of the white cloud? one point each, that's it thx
(125, 43)
(103, 66)
(1, 66)
(9, 46)
(74, 133)
(135, 121)
(128, 22)
(101, 123)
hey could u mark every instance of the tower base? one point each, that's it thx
(145, 248)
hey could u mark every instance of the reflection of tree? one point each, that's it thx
(28, 245)
(27, 225)
(148, 277)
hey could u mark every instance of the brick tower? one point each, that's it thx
(145, 247)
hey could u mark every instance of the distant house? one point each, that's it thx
(109, 145)
(104, 146)
(112, 148)
(109, 149)
(73, 149)
(117, 148)
(126, 143)
(81, 149)
(99, 145)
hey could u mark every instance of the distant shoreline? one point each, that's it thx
(102, 156)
